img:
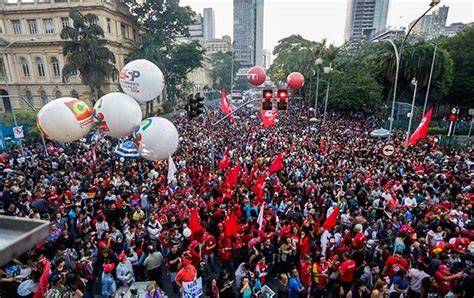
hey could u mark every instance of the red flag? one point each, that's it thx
(233, 176)
(422, 129)
(231, 225)
(194, 223)
(331, 221)
(268, 118)
(258, 188)
(43, 284)
(224, 163)
(317, 224)
(225, 105)
(276, 166)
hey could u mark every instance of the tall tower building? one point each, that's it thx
(432, 25)
(364, 18)
(248, 32)
(209, 26)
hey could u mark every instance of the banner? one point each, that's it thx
(422, 129)
(193, 289)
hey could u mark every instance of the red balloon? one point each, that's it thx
(295, 80)
(256, 76)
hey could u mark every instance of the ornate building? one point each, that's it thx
(31, 46)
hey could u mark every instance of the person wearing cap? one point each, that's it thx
(208, 249)
(444, 279)
(109, 287)
(124, 270)
(187, 273)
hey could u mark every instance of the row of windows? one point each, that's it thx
(49, 28)
(25, 68)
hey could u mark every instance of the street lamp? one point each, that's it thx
(327, 70)
(414, 82)
(432, 4)
(319, 62)
(6, 79)
(429, 80)
(395, 83)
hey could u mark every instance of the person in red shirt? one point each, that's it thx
(187, 273)
(305, 275)
(346, 274)
(261, 269)
(225, 252)
(359, 241)
(394, 263)
(444, 279)
(320, 276)
(304, 245)
(208, 248)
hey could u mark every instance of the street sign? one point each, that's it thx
(471, 112)
(388, 150)
(18, 132)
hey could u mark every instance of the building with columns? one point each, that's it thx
(32, 59)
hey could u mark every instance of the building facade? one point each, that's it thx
(209, 24)
(31, 47)
(248, 32)
(432, 25)
(454, 28)
(364, 18)
(267, 59)
(389, 33)
(223, 44)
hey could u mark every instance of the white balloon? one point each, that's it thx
(187, 232)
(156, 138)
(117, 114)
(142, 80)
(65, 119)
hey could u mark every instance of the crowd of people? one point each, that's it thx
(337, 219)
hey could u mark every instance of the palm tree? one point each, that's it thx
(330, 55)
(86, 53)
(311, 54)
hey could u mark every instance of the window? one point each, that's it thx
(16, 26)
(29, 96)
(58, 94)
(65, 22)
(122, 29)
(40, 65)
(33, 27)
(44, 97)
(56, 69)
(109, 25)
(74, 93)
(2, 69)
(24, 67)
(48, 26)
(134, 34)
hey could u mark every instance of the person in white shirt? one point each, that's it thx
(410, 201)
(416, 277)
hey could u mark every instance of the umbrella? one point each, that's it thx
(380, 133)
(127, 150)
(313, 119)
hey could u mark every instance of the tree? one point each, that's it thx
(86, 53)
(354, 91)
(461, 49)
(26, 117)
(221, 64)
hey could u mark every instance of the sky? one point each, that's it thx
(317, 19)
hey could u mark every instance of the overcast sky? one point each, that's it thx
(317, 19)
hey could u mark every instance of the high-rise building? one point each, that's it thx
(432, 25)
(389, 33)
(196, 30)
(267, 59)
(33, 61)
(454, 28)
(248, 32)
(209, 24)
(364, 18)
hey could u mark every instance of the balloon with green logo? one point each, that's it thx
(156, 138)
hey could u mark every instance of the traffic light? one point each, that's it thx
(282, 104)
(267, 102)
(195, 105)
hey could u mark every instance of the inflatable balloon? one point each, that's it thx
(256, 76)
(156, 138)
(65, 119)
(295, 80)
(187, 232)
(117, 114)
(142, 80)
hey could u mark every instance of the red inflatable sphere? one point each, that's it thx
(256, 76)
(295, 80)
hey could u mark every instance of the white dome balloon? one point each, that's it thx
(142, 80)
(155, 138)
(117, 114)
(65, 119)
(187, 232)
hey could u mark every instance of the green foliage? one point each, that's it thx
(162, 22)
(86, 53)
(221, 64)
(354, 92)
(26, 117)
(437, 131)
(461, 49)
